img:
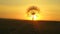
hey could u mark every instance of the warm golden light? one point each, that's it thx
(32, 12)
(16, 9)
(34, 17)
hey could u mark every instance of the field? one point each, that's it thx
(12, 26)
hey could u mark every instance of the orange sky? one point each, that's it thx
(16, 9)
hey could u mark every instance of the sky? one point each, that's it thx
(16, 9)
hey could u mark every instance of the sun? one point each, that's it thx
(34, 17)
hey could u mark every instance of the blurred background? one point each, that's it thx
(14, 19)
(16, 9)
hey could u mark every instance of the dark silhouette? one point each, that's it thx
(13, 26)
